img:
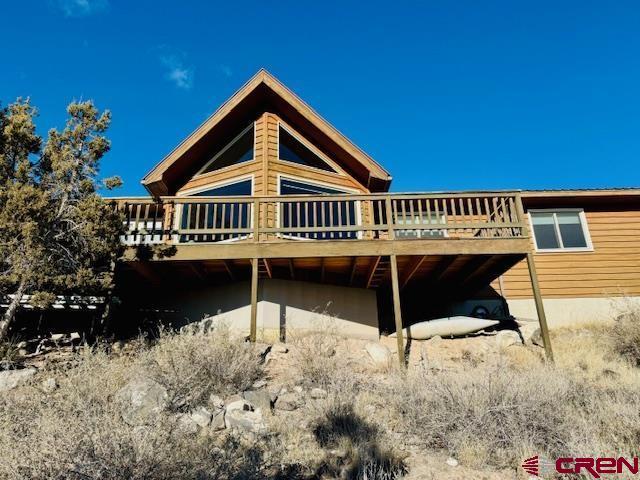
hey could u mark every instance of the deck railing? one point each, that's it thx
(176, 220)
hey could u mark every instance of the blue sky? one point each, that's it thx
(446, 95)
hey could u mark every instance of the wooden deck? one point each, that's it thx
(455, 241)
(362, 224)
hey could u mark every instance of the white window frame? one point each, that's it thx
(226, 147)
(561, 249)
(311, 147)
(223, 183)
(346, 190)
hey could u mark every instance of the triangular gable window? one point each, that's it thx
(239, 150)
(292, 150)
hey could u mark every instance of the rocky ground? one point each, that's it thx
(282, 401)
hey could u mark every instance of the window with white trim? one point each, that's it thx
(560, 230)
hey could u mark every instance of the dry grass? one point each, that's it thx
(315, 353)
(77, 431)
(192, 367)
(487, 410)
(496, 415)
(492, 416)
(625, 336)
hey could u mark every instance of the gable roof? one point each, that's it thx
(263, 92)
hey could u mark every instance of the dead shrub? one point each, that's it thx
(486, 415)
(77, 431)
(194, 366)
(316, 358)
(625, 336)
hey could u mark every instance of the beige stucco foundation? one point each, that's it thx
(574, 311)
(284, 307)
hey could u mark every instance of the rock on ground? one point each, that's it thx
(279, 348)
(217, 422)
(10, 379)
(380, 354)
(318, 393)
(49, 385)
(201, 416)
(216, 402)
(290, 401)
(531, 335)
(141, 400)
(259, 398)
(241, 416)
(187, 425)
(507, 338)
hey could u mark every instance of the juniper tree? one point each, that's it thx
(22, 253)
(57, 235)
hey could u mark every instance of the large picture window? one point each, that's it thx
(208, 215)
(560, 230)
(316, 213)
(293, 150)
(239, 150)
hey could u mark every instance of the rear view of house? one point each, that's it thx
(269, 218)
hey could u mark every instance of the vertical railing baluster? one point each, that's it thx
(380, 216)
(331, 222)
(256, 220)
(339, 207)
(306, 217)
(223, 220)
(214, 220)
(138, 238)
(315, 220)
(390, 218)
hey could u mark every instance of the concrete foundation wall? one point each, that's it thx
(284, 307)
(559, 311)
(574, 311)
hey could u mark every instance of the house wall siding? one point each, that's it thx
(612, 269)
(266, 166)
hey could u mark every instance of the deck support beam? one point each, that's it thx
(542, 318)
(254, 300)
(372, 271)
(229, 268)
(397, 312)
(354, 264)
(267, 267)
(411, 269)
(292, 270)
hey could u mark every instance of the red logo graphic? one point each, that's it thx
(531, 465)
(595, 467)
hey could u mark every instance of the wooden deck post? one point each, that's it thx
(254, 299)
(397, 312)
(542, 319)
